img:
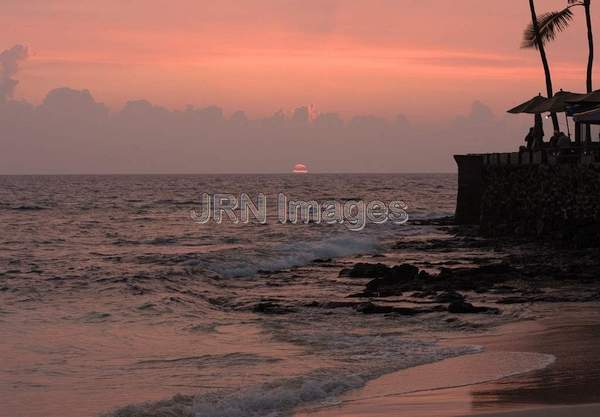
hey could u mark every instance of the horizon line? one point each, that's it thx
(225, 173)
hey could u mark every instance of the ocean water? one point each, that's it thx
(113, 300)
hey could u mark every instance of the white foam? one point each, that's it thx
(292, 255)
(359, 358)
(275, 399)
(364, 357)
(281, 398)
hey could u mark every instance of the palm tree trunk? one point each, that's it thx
(590, 34)
(540, 45)
(590, 65)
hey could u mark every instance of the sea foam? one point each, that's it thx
(290, 255)
(360, 358)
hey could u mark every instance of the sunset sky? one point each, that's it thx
(350, 56)
(390, 85)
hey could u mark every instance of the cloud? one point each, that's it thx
(9, 66)
(70, 132)
(480, 114)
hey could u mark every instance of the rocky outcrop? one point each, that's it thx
(366, 270)
(462, 307)
(270, 307)
(402, 278)
(449, 297)
(394, 281)
(371, 308)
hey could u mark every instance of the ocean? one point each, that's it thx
(114, 300)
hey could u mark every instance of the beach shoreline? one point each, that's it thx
(584, 410)
(466, 386)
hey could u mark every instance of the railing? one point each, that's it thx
(576, 155)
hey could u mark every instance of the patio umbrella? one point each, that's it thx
(561, 102)
(591, 117)
(558, 103)
(591, 98)
(528, 106)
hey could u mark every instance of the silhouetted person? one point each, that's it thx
(554, 139)
(529, 139)
(538, 133)
(563, 141)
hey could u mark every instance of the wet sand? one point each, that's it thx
(586, 410)
(482, 383)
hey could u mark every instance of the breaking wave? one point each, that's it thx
(292, 255)
(360, 359)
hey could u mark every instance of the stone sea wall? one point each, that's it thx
(540, 200)
(547, 201)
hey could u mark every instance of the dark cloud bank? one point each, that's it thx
(70, 132)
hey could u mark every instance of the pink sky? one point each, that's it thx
(378, 57)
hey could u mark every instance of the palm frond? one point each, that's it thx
(550, 25)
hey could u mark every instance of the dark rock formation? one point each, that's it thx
(269, 307)
(394, 281)
(462, 307)
(371, 308)
(407, 277)
(449, 297)
(566, 298)
(322, 261)
(364, 270)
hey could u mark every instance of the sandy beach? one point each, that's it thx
(563, 344)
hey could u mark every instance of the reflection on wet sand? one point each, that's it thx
(573, 379)
(455, 387)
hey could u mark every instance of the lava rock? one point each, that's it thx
(449, 297)
(395, 282)
(462, 307)
(334, 304)
(424, 275)
(322, 261)
(365, 270)
(268, 307)
(370, 308)
(404, 272)
(480, 279)
(422, 294)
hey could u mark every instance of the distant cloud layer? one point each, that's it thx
(9, 65)
(71, 132)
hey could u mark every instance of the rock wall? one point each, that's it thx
(470, 188)
(550, 201)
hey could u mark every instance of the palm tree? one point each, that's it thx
(551, 24)
(588, 20)
(539, 44)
